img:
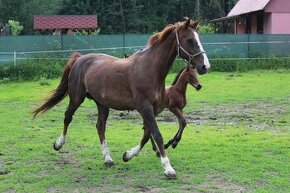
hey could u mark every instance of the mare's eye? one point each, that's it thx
(190, 41)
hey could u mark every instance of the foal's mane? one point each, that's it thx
(160, 36)
(177, 76)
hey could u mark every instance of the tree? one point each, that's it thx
(24, 10)
(140, 16)
(16, 28)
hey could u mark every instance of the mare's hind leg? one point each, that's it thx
(103, 113)
(72, 107)
(182, 124)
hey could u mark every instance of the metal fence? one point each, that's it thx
(217, 46)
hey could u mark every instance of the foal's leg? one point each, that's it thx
(154, 147)
(152, 128)
(72, 107)
(103, 113)
(182, 124)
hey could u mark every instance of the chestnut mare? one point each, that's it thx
(175, 101)
(137, 82)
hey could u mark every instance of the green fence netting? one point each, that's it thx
(219, 46)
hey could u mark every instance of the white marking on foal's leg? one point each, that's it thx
(131, 153)
(106, 154)
(59, 142)
(169, 171)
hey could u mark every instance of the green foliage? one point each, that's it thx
(16, 28)
(85, 32)
(24, 11)
(44, 81)
(205, 28)
(224, 65)
(48, 69)
(142, 16)
(31, 70)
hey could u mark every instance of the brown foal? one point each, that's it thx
(175, 101)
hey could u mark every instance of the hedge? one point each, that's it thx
(37, 69)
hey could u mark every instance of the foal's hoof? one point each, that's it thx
(109, 164)
(56, 147)
(166, 146)
(157, 153)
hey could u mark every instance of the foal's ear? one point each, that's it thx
(194, 24)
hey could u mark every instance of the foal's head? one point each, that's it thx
(190, 76)
(189, 46)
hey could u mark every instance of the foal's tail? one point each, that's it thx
(61, 91)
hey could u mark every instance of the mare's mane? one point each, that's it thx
(160, 36)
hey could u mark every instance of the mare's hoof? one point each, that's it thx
(174, 145)
(125, 158)
(109, 164)
(55, 147)
(170, 175)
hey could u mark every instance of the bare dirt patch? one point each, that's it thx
(256, 114)
(218, 184)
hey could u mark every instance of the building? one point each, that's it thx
(256, 17)
(65, 24)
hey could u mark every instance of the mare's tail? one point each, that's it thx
(61, 91)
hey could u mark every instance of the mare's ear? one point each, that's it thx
(186, 25)
(187, 68)
(194, 24)
(185, 18)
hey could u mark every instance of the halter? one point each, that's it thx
(190, 56)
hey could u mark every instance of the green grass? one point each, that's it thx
(237, 139)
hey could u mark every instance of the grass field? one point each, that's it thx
(237, 140)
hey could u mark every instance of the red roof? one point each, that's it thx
(66, 22)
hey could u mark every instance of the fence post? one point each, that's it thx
(248, 46)
(14, 58)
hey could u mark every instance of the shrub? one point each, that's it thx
(48, 69)
(32, 70)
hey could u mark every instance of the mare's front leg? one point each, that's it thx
(103, 113)
(151, 128)
(182, 124)
(128, 155)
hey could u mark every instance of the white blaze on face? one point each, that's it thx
(206, 61)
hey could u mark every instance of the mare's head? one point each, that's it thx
(190, 75)
(189, 46)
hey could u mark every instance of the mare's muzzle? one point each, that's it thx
(201, 69)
